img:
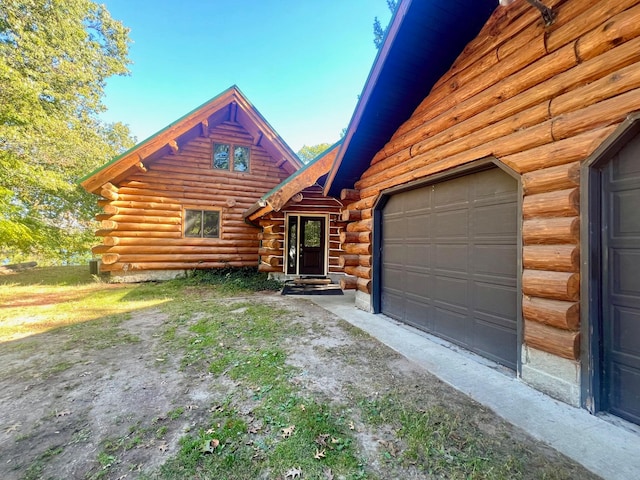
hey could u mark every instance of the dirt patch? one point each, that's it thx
(68, 405)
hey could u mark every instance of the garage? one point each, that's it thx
(449, 261)
(620, 285)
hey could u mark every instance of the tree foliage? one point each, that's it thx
(308, 153)
(378, 31)
(55, 57)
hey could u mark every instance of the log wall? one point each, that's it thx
(142, 224)
(541, 100)
(308, 202)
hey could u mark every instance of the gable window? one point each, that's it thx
(231, 157)
(202, 223)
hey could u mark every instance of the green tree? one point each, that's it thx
(306, 153)
(55, 57)
(378, 31)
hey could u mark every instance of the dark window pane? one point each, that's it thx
(193, 223)
(241, 159)
(221, 156)
(312, 233)
(211, 224)
(292, 249)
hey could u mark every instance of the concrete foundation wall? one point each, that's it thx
(363, 301)
(146, 276)
(555, 376)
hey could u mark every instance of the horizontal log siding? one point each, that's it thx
(142, 227)
(313, 203)
(540, 100)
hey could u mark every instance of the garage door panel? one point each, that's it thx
(419, 311)
(489, 221)
(627, 278)
(451, 193)
(451, 224)
(459, 259)
(453, 258)
(627, 221)
(626, 393)
(490, 338)
(452, 325)
(418, 283)
(626, 332)
(496, 300)
(418, 228)
(489, 185)
(484, 257)
(420, 253)
(451, 292)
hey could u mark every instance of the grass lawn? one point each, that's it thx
(287, 391)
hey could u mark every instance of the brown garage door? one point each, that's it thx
(621, 283)
(449, 261)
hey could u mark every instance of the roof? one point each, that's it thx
(307, 176)
(422, 42)
(208, 114)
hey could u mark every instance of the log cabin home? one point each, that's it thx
(175, 201)
(492, 166)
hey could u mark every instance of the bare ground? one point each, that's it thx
(64, 401)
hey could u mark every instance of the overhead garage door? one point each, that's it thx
(449, 261)
(621, 282)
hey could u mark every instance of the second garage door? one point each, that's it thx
(449, 261)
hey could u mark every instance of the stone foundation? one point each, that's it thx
(557, 377)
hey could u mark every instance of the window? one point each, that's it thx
(231, 157)
(202, 223)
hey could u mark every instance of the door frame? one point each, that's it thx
(299, 215)
(591, 275)
(463, 170)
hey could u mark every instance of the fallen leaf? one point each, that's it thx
(322, 439)
(328, 474)
(287, 432)
(210, 431)
(13, 428)
(192, 407)
(351, 426)
(210, 445)
(319, 454)
(293, 473)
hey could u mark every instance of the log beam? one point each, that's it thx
(557, 258)
(551, 230)
(348, 283)
(349, 195)
(561, 203)
(357, 248)
(552, 340)
(554, 285)
(355, 237)
(556, 313)
(360, 272)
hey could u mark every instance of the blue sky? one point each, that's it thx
(302, 63)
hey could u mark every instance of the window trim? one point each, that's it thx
(196, 208)
(231, 160)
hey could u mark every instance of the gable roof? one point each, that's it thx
(307, 176)
(229, 104)
(422, 42)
